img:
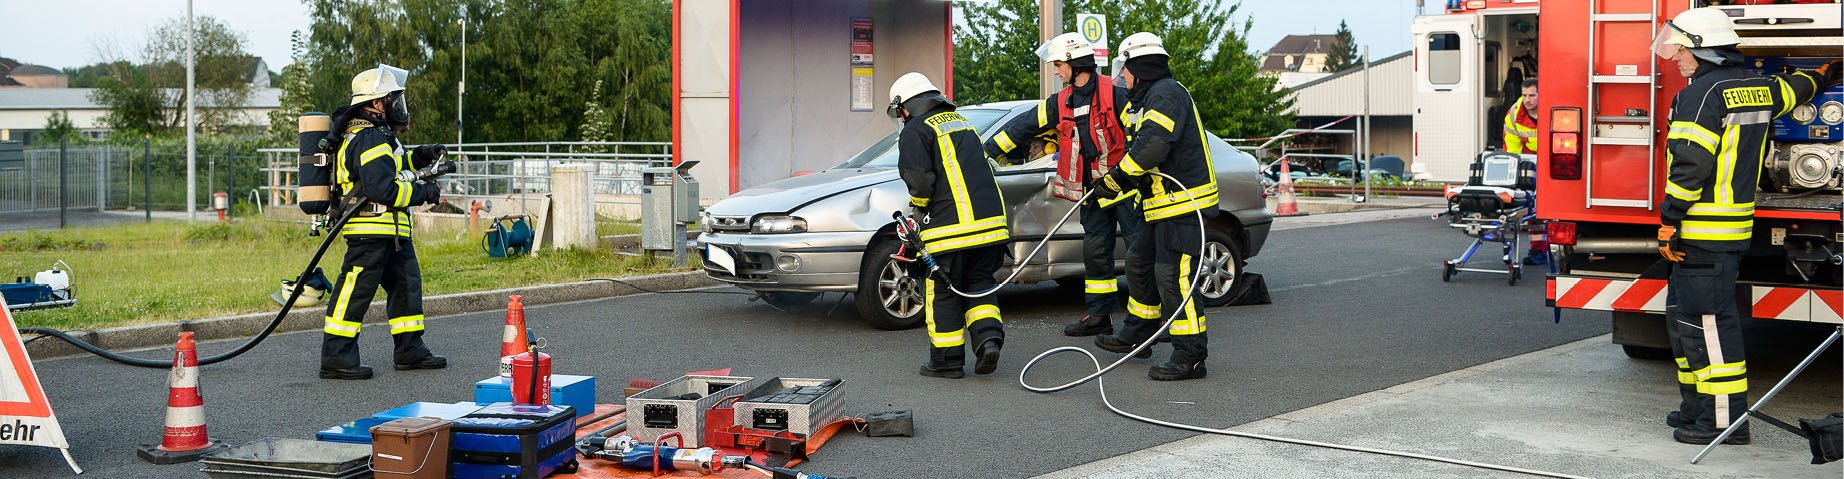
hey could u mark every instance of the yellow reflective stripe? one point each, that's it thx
(1105, 202)
(382, 149)
(1693, 132)
(1132, 167)
(918, 201)
(1712, 209)
(1684, 364)
(963, 228)
(984, 311)
(1722, 371)
(957, 185)
(1180, 208)
(1005, 142)
(1682, 193)
(374, 231)
(337, 323)
(341, 328)
(966, 241)
(1723, 387)
(1786, 96)
(1142, 311)
(1043, 113)
(402, 198)
(940, 339)
(1100, 286)
(1156, 117)
(1717, 230)
(1192, 323)
(1725, 165)
(1177, 197)
(1686, 378)
(407, 324)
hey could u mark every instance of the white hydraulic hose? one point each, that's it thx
(1100, 371)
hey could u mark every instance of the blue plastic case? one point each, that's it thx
(503, 440)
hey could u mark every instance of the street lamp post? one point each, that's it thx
(191, 145)
(461, 87)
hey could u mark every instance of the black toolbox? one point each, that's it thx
(503, 440)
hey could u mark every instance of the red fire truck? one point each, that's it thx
(1602, 120)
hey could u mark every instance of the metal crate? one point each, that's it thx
(656, 411)
(814, 404)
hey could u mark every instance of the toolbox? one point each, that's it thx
(679, 406)
(505, 440)
(795, 405)
(410, 448)
(567, 390)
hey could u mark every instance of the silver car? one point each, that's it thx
(831, 231)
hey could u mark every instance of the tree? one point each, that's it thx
(994, 60)
(296, 93)
(1344, 54)
(150, 97)
(58, 127)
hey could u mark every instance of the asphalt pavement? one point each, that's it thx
(1357, 308)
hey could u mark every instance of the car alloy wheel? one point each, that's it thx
(898, 292)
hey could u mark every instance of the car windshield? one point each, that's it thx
(883, 153)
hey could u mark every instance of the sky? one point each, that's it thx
(66, 33)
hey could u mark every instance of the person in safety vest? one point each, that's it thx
(1085, 121)
(373, 170)
(1719, 126)
(1521, 138)
(953, 195)
(1166, 137)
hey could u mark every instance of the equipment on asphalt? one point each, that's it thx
(509, 236)
(1824, 447)
(531, 376)
(411, 448)
(47, 289)
(514, 338)
(679, 406)
(184, 439)
(289, 458)
(1497, 205)
(512, 440)
(656, 456)
(785, 473)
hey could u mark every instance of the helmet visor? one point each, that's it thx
(1043, 52)
(1670, 39)
(390, 78)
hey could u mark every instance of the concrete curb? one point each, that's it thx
(246, 325)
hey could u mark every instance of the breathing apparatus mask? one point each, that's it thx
(397, 111)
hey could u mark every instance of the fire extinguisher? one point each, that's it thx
(531, 376)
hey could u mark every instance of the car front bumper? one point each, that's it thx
(788, 262)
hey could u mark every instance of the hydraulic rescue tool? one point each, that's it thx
(656, 456)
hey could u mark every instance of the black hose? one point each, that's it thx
(245, 347)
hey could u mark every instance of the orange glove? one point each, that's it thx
(1667, 243)
(1831, 72)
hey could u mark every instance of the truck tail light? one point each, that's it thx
(1561, 233)
(1565, 143)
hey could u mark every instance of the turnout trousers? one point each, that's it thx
(1706, 336)
(373, 262)
(1101, 227)
(951, 317)
(1170, 253)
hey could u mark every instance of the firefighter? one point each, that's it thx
(1084, 119)
(1521, 138)
(1165, 137)
(1719, 126)
(953, 195)
(373, 170)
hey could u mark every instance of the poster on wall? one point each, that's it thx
(861, 65)
(1094, 28)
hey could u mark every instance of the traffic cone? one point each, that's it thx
(185, 439)
(1286, 206)
(513, 341)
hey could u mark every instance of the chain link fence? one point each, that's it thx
(114, 177)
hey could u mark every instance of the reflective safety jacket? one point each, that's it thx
(948, 177)
(1520, 129)
(368, 169)
(1718, 135)
(1165, 135)
(1087, 120)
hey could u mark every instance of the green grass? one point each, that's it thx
(170, 271)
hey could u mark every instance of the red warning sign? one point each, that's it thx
(25, 415)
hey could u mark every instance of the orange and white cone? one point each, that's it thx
(1287, 205)
(513, 341)
(185, 439)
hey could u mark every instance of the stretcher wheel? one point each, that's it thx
(1447, 272)
(1516, 272)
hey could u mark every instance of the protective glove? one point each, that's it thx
(1831, 73)
(424, 155)
(435, 194)
(1668, 243)
(1115, 183)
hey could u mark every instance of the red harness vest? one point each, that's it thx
(1109, 137)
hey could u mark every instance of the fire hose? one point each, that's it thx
(427, 174)
(1096, 377)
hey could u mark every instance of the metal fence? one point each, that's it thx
(77, 178)
(509, 171)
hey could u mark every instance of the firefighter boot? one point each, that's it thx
(1188, 353)
(988, 353)
(430, 362)
(1677, 419)
(947, 363)
(1089, 326)
(1115, 344)
(355, 372)
(1177, 371)
(1699, 434)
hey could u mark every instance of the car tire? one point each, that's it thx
(880, 279)
(1222, 263)
(789, 299)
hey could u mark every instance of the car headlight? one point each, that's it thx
(778, 224)
(705, 221)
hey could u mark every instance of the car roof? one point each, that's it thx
(1004, 105)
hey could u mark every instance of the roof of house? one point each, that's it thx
(79, 98)
(1275, 58)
